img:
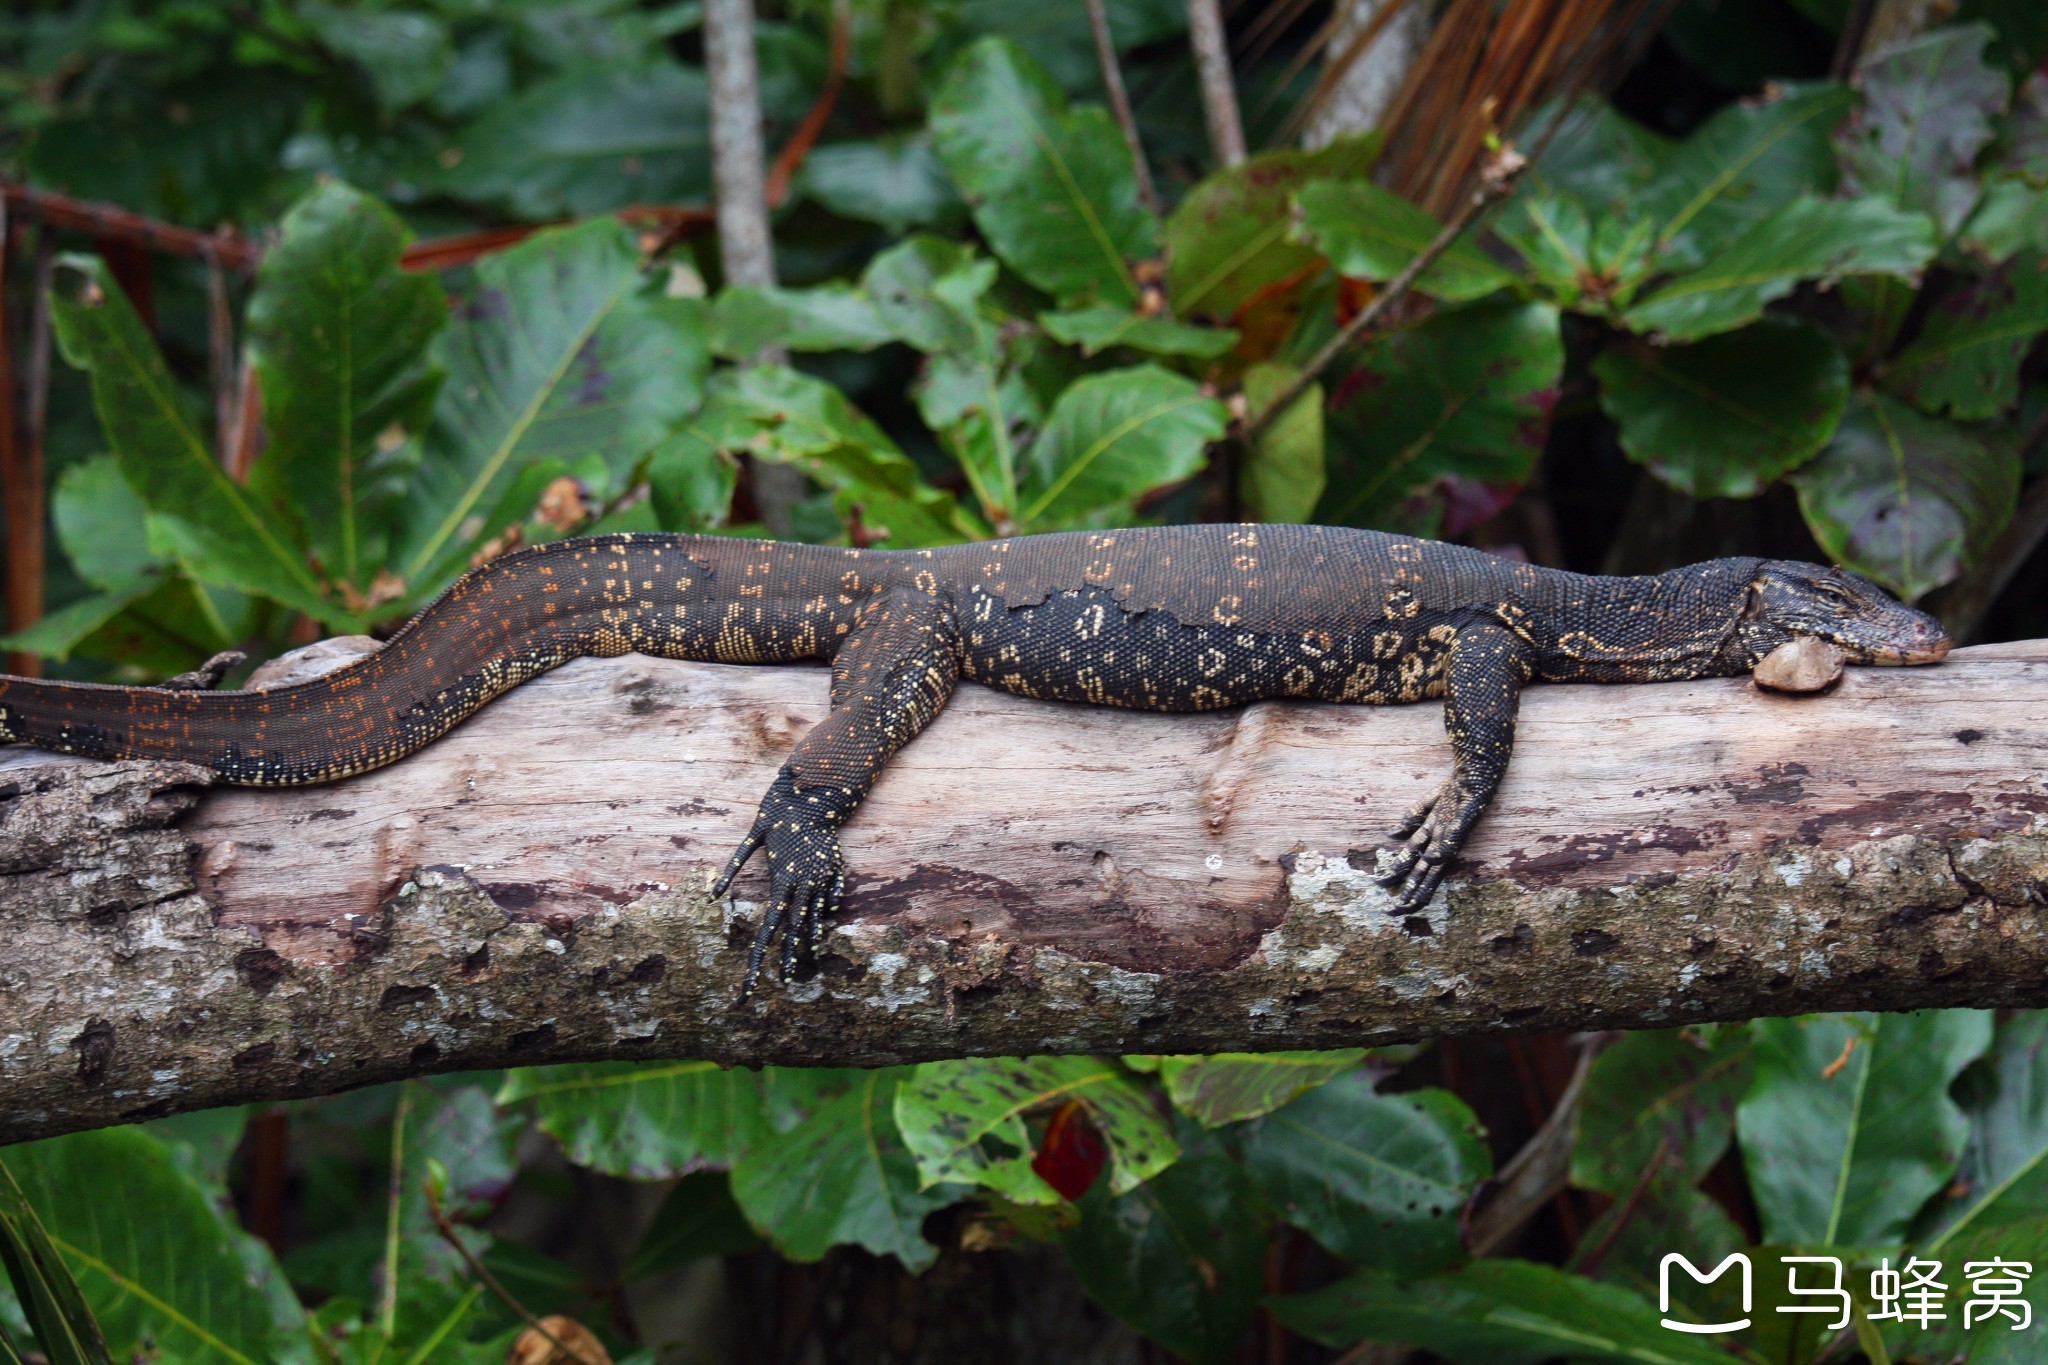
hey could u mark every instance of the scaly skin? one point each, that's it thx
(1179, 618)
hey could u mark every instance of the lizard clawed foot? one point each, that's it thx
(1434, 831)
(207, 676)
(808, 879)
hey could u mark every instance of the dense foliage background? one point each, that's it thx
(1733, 306)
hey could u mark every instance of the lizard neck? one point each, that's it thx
(1692, 622)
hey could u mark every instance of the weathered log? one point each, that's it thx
(1028, 877)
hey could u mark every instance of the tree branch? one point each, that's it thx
(1210, 45)
(1027, 878)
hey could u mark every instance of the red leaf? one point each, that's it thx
(1072, 1154)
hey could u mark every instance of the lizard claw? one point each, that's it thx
(1434, 831)
(808, 879)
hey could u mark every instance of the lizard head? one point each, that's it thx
(1845, 609)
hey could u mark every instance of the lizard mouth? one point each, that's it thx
(1903, 656)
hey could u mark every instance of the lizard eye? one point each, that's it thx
(1829, 588)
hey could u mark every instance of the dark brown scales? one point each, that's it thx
(1181, 618)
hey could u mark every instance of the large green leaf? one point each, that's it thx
(1805, 239)
(2013, 217)
(214, 526)
(561, 350)
(1849, 1127)
(774, 413)
(928, 291)
(1465, 393)
(1227, 242)
(644, 1120)
(842, 1175)
(159, 1261)
(1282, 474)
(1904, 498)
(2002, 1180)
(1928, 105)
(1738, 167)
(588, 140)
(895, 182)
(1228, 1086)
(949, 1111)
(1966, 359)
(1095, 330)
(1494, 1313)
(1112, 436)
(1380, 1180)
(1181, 1258)
(1724, 417)
(1052, 189)
(832, 317)
(405, 53)
(1598, 155)
(1659, 1105)
(1370, 233)
(338, 334)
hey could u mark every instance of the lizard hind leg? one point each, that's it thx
(1485, 678)
(894, 671)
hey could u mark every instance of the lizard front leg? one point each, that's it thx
(1484, 685)
(893, 673)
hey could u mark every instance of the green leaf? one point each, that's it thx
(1655, 1216)
(2002, 1180)
(948, 1111)
(774, 413)
(896, 182)
(104, 527)
(405, 53)
(218, 529)
(928, 292)
(589, 140)
(1228, 241)
(1465, 393)
(1849, 1128)
(44, 1289)
(1230, 1086)
(2013, 217)
(690, 484)
(559, 351)
(1598, 155)
(1904, 498)
(644, 1120)
(338, 335)
(1806, 239)
(1112, 436)
(1966, 360)
(1724, 417)
(172, 1271)
(1052, 189)
(697, 1219)
(1282, 477)
(1370, 233)
(1928, 105)
(1181, 1257)
(834, 317)
(1582, 257)
(1377, 1179)
(1095, 330)
(1659, 1105)
(1494, 1313)
(1739, 167)
(842, 1175)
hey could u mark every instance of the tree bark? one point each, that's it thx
(1026, 878)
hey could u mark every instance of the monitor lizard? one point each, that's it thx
(1170, 618)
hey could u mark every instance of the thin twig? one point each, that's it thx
(1855, 33)
(776, 189)
(453, 1237)
(1540, 1170)
(387, 1308)
(220, 354)
(1119, 100)
(1211, 50)
(1504, 168)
